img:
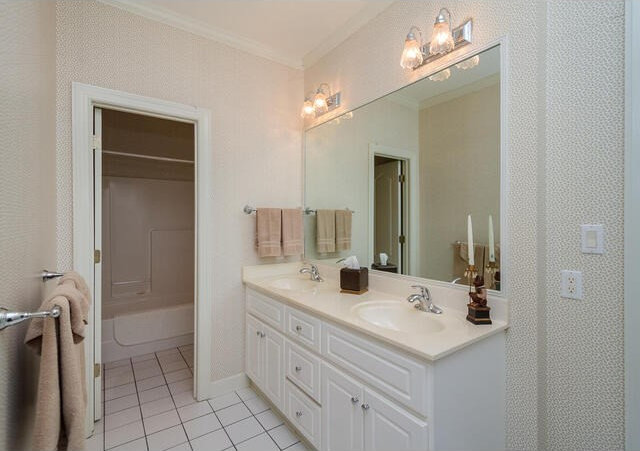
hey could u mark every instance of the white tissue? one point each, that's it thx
(351, 262)
(383, 259)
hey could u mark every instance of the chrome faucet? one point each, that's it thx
(425, 304)
(313, 272)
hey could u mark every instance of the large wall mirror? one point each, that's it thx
(410, 167)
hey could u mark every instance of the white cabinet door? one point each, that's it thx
(254, 353)
(387, 426)
(273, 355)
(342, 422)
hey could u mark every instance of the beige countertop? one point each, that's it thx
(424, 335)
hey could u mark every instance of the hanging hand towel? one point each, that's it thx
(326, 231)
(62, 396)
(343, 230)
(292, 233)
(269, 229)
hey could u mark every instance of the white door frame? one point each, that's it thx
(84, 98)
(632, 225)
(413, 194)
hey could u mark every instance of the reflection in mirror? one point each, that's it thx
(411, 166)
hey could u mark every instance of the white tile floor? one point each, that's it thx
(149, 406)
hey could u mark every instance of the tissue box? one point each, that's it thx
(354, 281)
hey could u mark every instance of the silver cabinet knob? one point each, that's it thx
(365, 406)
(299, 413)
(261, 334)
(298, 369)
(355, 399)
(258, 333)
(298, 328)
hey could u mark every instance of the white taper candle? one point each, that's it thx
(492, 248)
(470, 240)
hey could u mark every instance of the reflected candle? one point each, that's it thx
(492, 249)
(470, 240)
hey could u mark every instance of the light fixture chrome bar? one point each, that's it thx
(461, 37)
(147, 157)
(307, 211)
(333, 102)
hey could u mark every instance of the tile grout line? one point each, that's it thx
(233, 445)
(174, 401)
(265, 430)
(140, 407)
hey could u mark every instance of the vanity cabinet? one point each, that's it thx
(357, 418)
(343, 389)
(265, 359)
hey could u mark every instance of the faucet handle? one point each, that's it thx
(423, 290)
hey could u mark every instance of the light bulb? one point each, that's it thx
(320, 103)
(469, 63)
(441, 76)
(441, 38)
(307, 109)
(412, 53)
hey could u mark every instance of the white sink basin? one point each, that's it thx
(395, 315)
(303, 284)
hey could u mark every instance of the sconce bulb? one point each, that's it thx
(469, 63)
(441, 38)
(320, 103)
(307, 109)
(441, 76)
(412, 53)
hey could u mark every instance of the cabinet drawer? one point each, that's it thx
(268, 310)
(303, 413)
(303, 368)
(303, 328)
(399, 376)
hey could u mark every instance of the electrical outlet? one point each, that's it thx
(571, 284)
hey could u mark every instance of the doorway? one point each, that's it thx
(144, 211)
(390, 210)
(87, 252)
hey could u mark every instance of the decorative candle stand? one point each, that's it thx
(470, 273)
(477, 310)
(490, 271)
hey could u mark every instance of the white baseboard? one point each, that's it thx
(223, 386)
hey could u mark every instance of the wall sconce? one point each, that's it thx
(320, 102)
(443, 40)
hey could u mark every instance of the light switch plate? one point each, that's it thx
(592, 238)
(571, 284)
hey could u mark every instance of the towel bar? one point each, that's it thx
(47, 275)
(8, 318)
(307, 211)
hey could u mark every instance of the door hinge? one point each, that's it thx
(96, 256)
(401, 239)
(96, 142)
(96, 370)
(402, 178)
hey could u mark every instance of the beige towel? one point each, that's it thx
(343, 230)
(62, 394)
(268, 231)
(292, 234)
(326, 231)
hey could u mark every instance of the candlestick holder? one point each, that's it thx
(470, 273)
(490, 271)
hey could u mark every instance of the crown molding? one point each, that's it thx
(169, 17)
(373, 9)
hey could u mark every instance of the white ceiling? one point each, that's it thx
(295, 33)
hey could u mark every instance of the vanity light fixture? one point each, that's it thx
(469, 63)
(443, 40)
(321, 102)
(441, 76)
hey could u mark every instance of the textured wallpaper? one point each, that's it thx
(565, 156)
(27, 198)
(255, 129)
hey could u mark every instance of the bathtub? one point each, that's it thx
(147, 331)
